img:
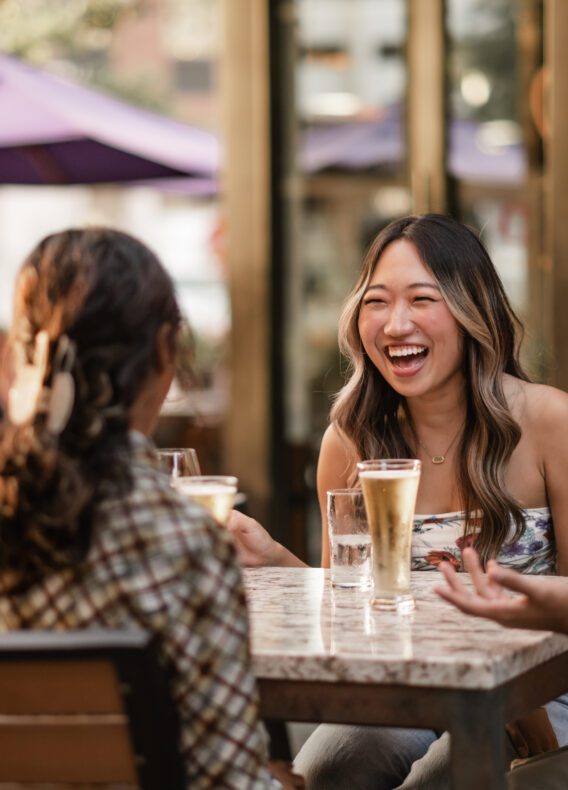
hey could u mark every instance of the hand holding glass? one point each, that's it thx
(389, 488)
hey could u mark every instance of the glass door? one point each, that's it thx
(342, 175)
(495, 157)
(383, 108)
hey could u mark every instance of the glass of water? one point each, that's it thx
(179, 461)
(349, 539)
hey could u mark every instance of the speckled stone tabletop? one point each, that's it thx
(303, 629)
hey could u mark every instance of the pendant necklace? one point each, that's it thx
(439, 459)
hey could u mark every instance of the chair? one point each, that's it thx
(86, 709)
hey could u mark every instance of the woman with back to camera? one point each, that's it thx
(92, 534)
(435, 374)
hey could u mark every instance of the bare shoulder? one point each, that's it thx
(337, 455)
(334, 440)
(537, 407)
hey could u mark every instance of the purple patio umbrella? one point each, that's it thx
(363, 145)
(355, 145)
(53, 131)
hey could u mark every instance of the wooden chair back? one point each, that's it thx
(86, 709)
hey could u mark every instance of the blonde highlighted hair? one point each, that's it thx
(371, 413)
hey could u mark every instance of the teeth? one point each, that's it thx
(405, 351)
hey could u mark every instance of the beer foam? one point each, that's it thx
(204, 489)
(388, 474)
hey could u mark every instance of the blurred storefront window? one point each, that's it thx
(484, 108)
(349, 178)
(357, 138)
(495, 144)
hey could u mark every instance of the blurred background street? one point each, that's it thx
(258, 147)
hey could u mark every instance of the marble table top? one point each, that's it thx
(303, 629)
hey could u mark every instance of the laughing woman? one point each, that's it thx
(435, 374)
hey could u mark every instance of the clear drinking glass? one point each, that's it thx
(179, 461)
(389, 488)
(216, 493)
(349, 539)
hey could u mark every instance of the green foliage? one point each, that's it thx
(39, 30)
(78, 33)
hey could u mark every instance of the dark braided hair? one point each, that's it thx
(109, 294)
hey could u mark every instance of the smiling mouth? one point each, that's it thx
(406, 356)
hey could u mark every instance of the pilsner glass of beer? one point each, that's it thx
(216, 493)
(389, 488)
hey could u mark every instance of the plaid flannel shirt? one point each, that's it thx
(156, 561)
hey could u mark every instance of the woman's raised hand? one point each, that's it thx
(542, 603)
(255, 547)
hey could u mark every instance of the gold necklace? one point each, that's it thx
(439, 459)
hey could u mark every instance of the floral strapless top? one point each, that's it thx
(437, 538)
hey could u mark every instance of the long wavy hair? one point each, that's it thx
(109, 295)
(372, 414)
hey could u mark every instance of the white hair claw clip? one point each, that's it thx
(62, 395)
